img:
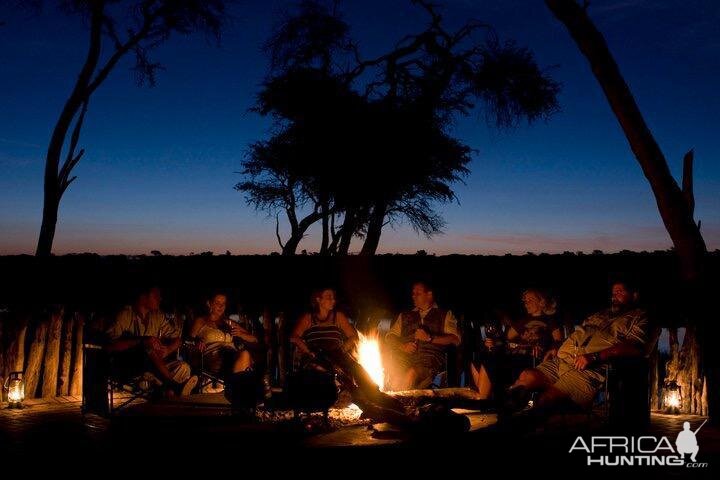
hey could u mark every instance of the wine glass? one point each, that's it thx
(493, 331)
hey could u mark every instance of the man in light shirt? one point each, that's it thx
(142, 340)
(419, 339)
(575, 374)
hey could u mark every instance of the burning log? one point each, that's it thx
(451, 397)
(382, 407)
(67, 343)
(52, 354)
(77, 370)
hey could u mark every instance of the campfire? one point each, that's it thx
(369, 357)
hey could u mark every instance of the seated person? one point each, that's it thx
(221, 340)
(142, 340)
(419, 339)
(575, 374)
(324, 339)
(532, 338)
(322, 331)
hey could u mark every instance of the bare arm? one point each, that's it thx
(621, 350)
(446, 339)
(244, 335)
(349, 331)
(122, 344)
(296, 336)
(171, 346)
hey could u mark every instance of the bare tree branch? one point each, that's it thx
(277, 231)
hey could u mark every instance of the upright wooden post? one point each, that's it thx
(34, 360)
(2, 357)
(16, 361)
(66, 359)
(281, 349)
(76, 378)
(52, 354)
(654, 380)
(267, 323)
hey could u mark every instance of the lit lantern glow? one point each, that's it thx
(15, 386)
(672, 397)
(368, 350)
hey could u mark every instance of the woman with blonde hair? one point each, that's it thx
(526, 341)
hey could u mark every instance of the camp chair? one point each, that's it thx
(624, 397)
(100, 383)
(310, 391)
(196, 360)
(103, 379)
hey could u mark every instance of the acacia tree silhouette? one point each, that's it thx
(367, 142)
(120, 28)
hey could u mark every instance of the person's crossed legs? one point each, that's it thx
(558, 383)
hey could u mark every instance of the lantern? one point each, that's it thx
(672, 397)
(15, 386)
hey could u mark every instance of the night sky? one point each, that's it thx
(160, 163)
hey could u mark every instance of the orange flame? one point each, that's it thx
(368, 350)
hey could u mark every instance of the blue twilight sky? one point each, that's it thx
(160, 163)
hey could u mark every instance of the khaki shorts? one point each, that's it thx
(580, 385)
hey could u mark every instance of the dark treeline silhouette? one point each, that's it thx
(115, 29)
(362, 143)
(473, 286)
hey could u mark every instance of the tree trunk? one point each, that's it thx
(66, 360)
(34, 360)
(674, 209)
(51, 363)
(325, 228)
(347, 230)
(52, 183)
(291, 244)
(675, 205)
(298, 232)
(374, 230)
(76, 378)
(51, 204)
